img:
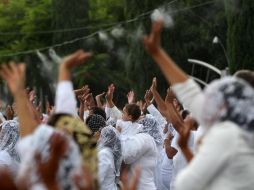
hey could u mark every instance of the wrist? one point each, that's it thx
(19, 93)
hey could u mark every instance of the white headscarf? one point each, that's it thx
(151, 126)
(110, 138)
(9, 136)
(39, 142)
(228, 99)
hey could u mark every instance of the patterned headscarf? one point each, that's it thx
(151, 126)
(9, 136)
(110, 138)
(95, 122)
(229, 99)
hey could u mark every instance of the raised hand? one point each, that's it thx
(109, 95)
(14, 75)
(89, 101)
(170, 96)
(152, 41)
(71, 61)
(98, 99)
(76, 59)
(148, 97)
(153, 87)
(9, 112)
(131, 97)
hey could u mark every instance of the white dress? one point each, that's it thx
(107, 176)
(140, 150)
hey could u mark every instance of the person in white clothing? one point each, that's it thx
(140, 150)
(109, 158)
(9, 136)
(225, 159)
(128, 125)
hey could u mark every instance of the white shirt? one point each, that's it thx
(140, 150)
(225, 159)
(107, 176)
(128, 128)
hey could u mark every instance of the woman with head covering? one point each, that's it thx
(110, 158)
(151, 127)
(141, 150)
(9, 136)
(225, 159)
(39, 142)
(95, 122)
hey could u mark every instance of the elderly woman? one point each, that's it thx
(110, 158)
(225, 159)
(9, 135)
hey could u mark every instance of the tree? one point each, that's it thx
(240, 34)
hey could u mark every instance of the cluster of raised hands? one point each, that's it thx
(14, 75)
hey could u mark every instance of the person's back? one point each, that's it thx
(107, 176)
(140, 150)
(230, 151)
(238, 173)
(128, 128)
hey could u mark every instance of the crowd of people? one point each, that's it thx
(189, 140)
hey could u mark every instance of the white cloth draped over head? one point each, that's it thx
(39, 142)
(9, 136)
(228, 99)
(151, 126)
(110, 138)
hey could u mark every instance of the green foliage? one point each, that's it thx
(240, 34)
(123, 60)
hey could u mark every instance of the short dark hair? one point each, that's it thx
(133, 110)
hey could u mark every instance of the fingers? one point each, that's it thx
(6, 72)
(76, 58)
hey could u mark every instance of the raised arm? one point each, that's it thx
(65, 97)
(14, 75)
(152, 44)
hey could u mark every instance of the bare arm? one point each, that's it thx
(170, 151)
(170, 70)
(98, 99)
(14, 75)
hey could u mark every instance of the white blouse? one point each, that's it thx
(107, 176)
(140, 150)
(225, 159)
(128, 128)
